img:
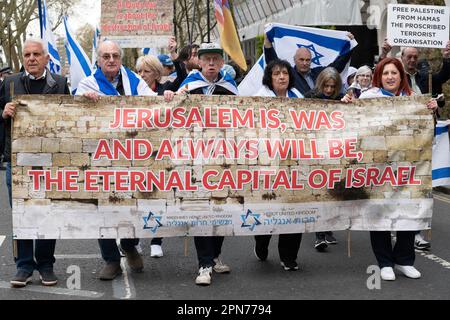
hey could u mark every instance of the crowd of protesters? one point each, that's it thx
(201, 69)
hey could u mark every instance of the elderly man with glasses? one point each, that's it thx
(113, 79)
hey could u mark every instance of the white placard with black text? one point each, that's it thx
(418, 26)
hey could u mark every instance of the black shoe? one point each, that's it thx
(421, 244)
(48, 277)
(329, 239)
(261, 252)
(289, 265)
(320, 244)
(21, 279)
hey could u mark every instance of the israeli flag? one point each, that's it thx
(94, 48)
(195, 80)
(54, 64)
(80, 66)
(325, 46)
(378, 93)
(151, 51)
(252, 82)
(441, 155)
(133, 84)
(266, 92)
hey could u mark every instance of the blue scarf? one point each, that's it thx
(196, 80)
(390, 94)
(108, 89)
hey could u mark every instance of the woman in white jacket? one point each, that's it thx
(389, 80)
(278, 81)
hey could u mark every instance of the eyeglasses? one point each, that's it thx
(214, 59)
(115, 56)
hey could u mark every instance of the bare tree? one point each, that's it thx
(16, 15)
(188, 16)
(85, 36)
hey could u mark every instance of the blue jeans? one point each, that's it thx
(43, 252)
(44, 249)
(208, 249)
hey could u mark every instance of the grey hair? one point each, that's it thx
(38, 41)
(402, 50)
(109, 41)
(362, 70)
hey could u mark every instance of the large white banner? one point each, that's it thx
(219, 165)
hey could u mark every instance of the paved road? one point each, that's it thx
(329, 275)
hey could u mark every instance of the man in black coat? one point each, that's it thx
(35, 79)
(3, 73)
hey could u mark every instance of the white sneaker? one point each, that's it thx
(387, 274)
(220, 267)
(139, 248)
(156, 251)
(409, 271)
(204, 276)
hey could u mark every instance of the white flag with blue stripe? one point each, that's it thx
(252, 82)
(94, 48)
(195, 80)
(325, 46)
(441, 155)
(133, 84)
(150, 51)
(54, 64)
(80, 66)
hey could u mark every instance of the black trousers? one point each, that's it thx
(288, 244)
(208, 249)
(157, 241)
(403, 252)
(110, 251)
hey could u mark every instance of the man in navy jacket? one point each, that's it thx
(305, 76)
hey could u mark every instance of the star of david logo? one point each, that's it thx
(317, 55)
(152, 222)
(250, 220)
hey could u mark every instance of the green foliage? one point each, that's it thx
(259, 45)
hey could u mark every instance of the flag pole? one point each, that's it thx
(187, 22)
(174, 19)
(40, 16)
(208, 19)
(191, 37)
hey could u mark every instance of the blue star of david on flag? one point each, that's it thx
(152, 222)
(311, 48)
(250, 220)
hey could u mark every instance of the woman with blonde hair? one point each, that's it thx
(151, 70)
(328, 85)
